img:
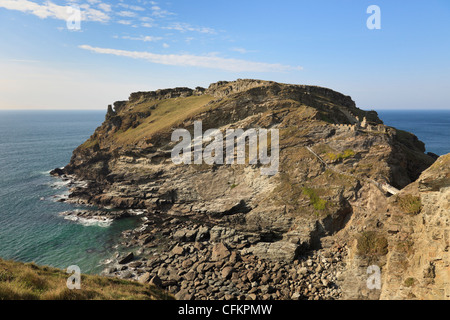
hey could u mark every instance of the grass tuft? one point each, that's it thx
(318, 203)
(371, 244)
(341, 156)
(410, 204)
(409, 282)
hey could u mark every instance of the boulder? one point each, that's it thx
(281, 251)
(218, 233)
(128, 258)
(220, 252)
(187, 263)
(183, 294)
(179, 235)
(202, 234)
(252, 276)
(178, 250)
(156, 281)
(57, 172)
(190, 235)
(145, 278)
(227, 272)
(185, 235)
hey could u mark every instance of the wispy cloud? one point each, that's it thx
(128, 14)
(125, 22)
(160, 13)
(184, 27)
(105, 7)
(150, 16)
(51, 10)
(131, 7)
(143, 38)
(242, 50)
(210, 61)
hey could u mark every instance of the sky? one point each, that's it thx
(120, 47)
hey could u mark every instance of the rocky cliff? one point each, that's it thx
(418, 263)
(226, 231)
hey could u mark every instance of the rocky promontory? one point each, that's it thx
(228, 232)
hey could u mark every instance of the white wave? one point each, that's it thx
(62, 196)
(136, 212)
(60, 184)
(106, 261)
(89, 222)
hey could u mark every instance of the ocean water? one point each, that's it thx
(431, 126)
(31, 144)
(34, 142)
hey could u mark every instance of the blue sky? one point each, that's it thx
(128, 46)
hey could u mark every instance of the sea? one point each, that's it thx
(34, 142)
(31, 144)
(431, 126)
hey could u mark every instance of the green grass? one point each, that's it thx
(166, 114)
(19, 281)
(314, 199)
(341, 156)
(90, 143)
(410, 204)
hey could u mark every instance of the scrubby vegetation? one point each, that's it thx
(409, 282)
(371, 245)
(341, 156)
(410, 204)
(19, 281)
(318, 203)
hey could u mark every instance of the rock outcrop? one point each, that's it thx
(424, 269)
(214, 224)
(413, 227)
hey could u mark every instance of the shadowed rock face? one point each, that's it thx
(306, 206)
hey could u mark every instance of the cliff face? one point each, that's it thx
(334, 161)
(418, 266)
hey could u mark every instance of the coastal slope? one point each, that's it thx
(226, 231)
(27, 281)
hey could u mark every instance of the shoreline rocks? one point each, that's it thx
(221, 268)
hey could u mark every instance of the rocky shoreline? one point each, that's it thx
(194, 259)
